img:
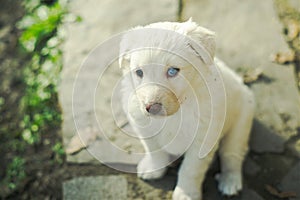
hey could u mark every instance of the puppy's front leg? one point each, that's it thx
(191, 175)
(154, 163)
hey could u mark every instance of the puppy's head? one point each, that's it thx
(161, 77)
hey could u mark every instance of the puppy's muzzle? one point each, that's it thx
(157, 100)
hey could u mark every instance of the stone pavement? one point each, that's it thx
(101, 187)
(248, 33)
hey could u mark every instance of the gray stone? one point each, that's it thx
(291, 182)
(264, 140)
(294, 146)
(248, 33)
(98, 128)
(248, 194)
(250, 167)
(245, 194)
(101, 187)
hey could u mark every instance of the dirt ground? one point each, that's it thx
(11, 86)
(44, 176)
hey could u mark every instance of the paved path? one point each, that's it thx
(248, 33)
(101, 187)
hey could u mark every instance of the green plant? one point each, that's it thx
(59, 152)
(40, 39)
(15, 172)
(2, 101)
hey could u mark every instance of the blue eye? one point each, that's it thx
(139, 73)
(172, 72)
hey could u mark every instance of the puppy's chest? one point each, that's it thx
(179, 132)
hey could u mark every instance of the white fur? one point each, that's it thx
(187, 99)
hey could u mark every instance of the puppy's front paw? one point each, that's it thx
(180, 194)
(149, 169)
(229, 183)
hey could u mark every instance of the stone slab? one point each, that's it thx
(291, 182)
(261, 134)
(251, 167)
(100, 21)
(294, 144)
(248, 32)
(212, 193)
(248, 194)
(100, 187)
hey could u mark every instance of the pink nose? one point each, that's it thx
(154, 108)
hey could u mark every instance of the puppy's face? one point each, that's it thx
(161, 81)
(161, 78)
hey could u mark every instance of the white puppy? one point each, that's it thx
(167, 95)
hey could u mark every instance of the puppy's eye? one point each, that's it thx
(139, 73)
(172, 72)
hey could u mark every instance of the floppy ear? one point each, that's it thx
(201, 35)
(127, 44)
(206, 38)
(124, 60)
(124, 57)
